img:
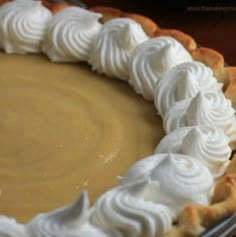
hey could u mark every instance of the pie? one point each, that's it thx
(66, 128)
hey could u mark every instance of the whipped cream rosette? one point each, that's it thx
(173, 180)
(122, 211)
(151, 59)
(69, 221)
(10, 228)
(71, 34)
(182, 82)
(23, 24)
(208, 144)
(210, 108)
(112, 50)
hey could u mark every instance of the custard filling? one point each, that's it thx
(65, 129)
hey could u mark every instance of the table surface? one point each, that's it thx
(210, 27)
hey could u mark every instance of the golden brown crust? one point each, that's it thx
(59, 6)
(149, 26)
(209, 57)
(186, 40)
(230, 86)
(231, 169)
(4, 1)
(47, 4)
(194, 219)
(108, 13)
(230, 75)
(55, 7)
(226, 75)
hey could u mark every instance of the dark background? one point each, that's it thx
(214, 27)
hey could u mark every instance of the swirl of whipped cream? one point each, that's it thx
(10, 228)
(23, 25)
(174, 180)
(204, 109)
(206, 143)
(123, 212)
(151, 59)
(182, 82)
(69, 221)
(142, 169)
(112, 50)
(71, 34)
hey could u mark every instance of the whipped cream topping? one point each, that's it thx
(10, 228)
(151, 59)
(68, 221)
(123, 212)
(210, 108)
(173, 180)
(182, 82)
(23, 25)
(206, 143)
(112, 50)
(71, 34)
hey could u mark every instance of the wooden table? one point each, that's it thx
(215, 29)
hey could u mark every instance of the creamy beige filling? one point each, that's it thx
(64, 129)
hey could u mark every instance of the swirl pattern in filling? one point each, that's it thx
(23, 25)
(112, 50)
(182, 82)
(151, 59)
(71, 34)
